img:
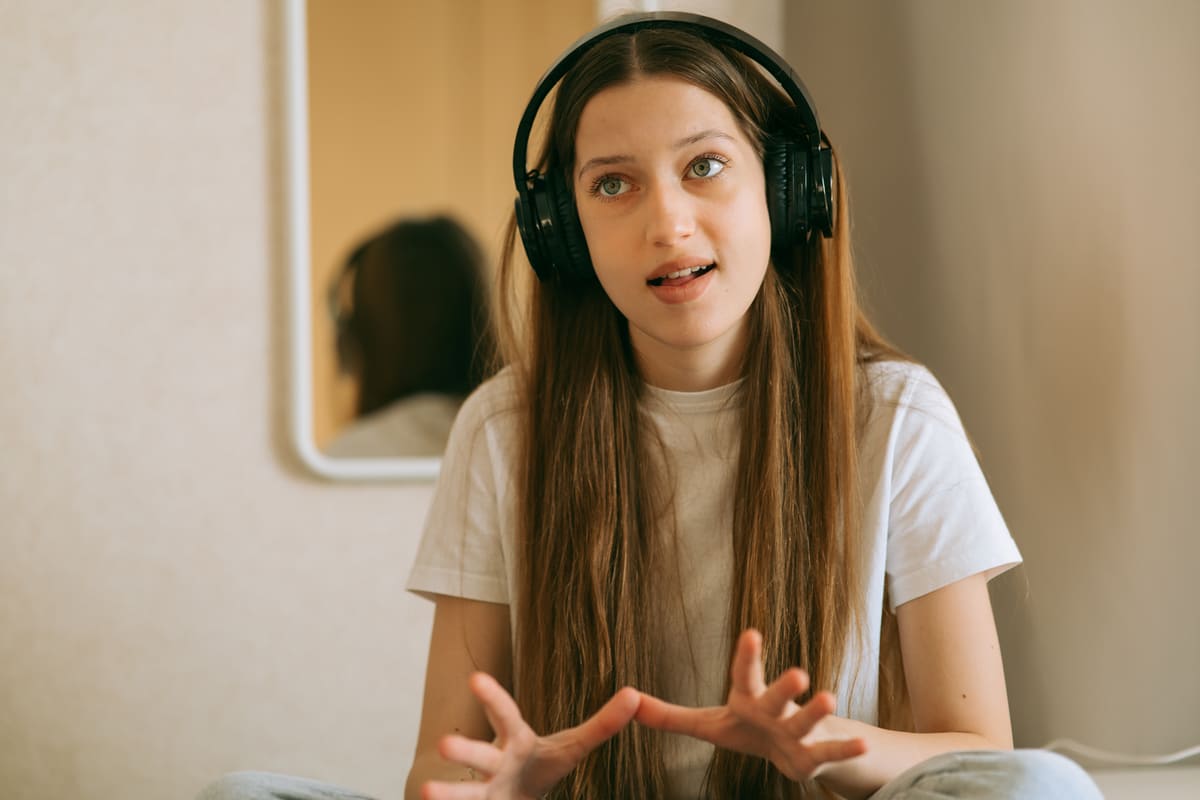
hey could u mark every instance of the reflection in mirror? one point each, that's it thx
(417, 283)
(398, 111)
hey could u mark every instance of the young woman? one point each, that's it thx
(706, 534)
(701, 454)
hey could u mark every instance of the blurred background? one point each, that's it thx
(180, 598)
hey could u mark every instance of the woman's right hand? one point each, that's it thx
(519, 764)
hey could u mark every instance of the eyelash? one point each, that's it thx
(594, 189)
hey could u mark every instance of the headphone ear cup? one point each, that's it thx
(529, 224)
(550, 230)
(785, 193)
(823, 205)
(572, 259)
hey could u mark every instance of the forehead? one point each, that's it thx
(649, 112)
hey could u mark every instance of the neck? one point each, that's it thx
(693, 369)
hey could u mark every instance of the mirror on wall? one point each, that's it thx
(400, 123)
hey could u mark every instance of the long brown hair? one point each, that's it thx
(592, 499)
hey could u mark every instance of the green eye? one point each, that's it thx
(611, 186)
(706, 167)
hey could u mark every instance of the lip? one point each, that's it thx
(676, 264)
(684, 292)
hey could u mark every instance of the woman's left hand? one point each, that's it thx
(758, 719)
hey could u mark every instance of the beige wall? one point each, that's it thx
(1028, 188)
(178, 599)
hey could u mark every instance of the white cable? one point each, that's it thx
(1072, 747)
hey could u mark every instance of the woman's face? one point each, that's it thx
(671, 196)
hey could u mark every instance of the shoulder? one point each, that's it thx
(929, 503)
(489, 415)
(899, 381)
(497, 397)
(906, 391)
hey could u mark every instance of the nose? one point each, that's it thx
(670, 217)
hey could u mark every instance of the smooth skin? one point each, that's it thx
(664, 176)
(495, 754)
(760, 720)
(952, 663)
(519, 763)
(492, 752)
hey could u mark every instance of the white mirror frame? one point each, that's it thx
(299, 260)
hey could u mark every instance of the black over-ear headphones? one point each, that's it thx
(798, 162)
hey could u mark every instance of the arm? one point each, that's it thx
(468, 636)
(955, 680)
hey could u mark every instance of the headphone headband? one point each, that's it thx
(714, 30)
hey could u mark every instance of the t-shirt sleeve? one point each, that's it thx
(461, 552)
(944, 524)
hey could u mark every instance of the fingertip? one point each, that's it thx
(827, 701)
(797, 679)
(483, 685)
(444, 745)
(625, 702)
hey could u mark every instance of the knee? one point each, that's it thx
(1056, 775)
(1032, 774)
(247, 785)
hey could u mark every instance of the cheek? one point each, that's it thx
(608, 245)
(604, 250)
(593, 233)
(750, 228)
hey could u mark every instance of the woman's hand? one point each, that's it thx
(758, 719)
(519, 764)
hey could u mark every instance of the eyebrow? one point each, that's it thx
(686, 141)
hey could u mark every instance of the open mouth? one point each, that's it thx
(682, 276)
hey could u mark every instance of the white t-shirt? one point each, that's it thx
(929, 520)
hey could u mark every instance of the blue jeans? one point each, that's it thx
(993, 774)
(978, 775)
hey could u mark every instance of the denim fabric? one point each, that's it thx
(969, 775)
(270, 786)
(993, 775)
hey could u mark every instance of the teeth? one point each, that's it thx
(683, 272)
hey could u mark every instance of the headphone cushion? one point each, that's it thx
(571, 255)
(779, 168)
